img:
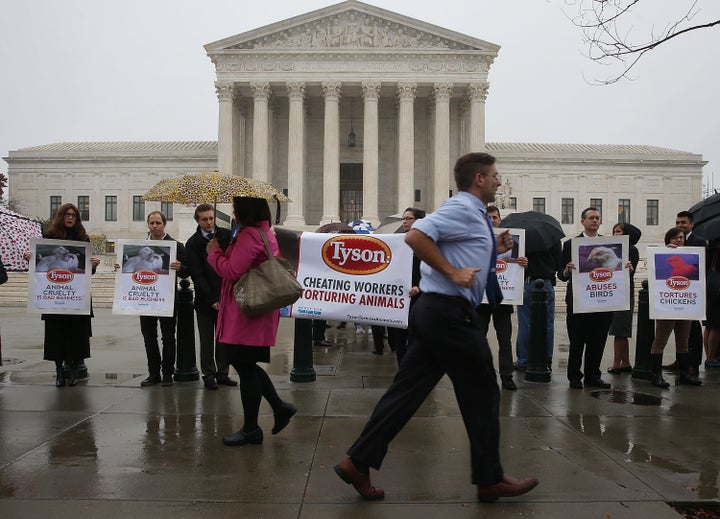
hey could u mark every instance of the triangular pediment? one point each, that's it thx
(351, 25)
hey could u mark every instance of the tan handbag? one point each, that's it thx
(269, 286)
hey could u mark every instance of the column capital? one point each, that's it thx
(261, 91)
(406, 91)
(371, 90)
(295, 91)
(332, 90)
(224, 90)
(477, 91)
(442, 91)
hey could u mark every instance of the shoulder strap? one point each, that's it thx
(267, 245)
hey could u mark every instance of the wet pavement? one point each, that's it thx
(107, 448)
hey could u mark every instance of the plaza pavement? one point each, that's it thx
(107, 448)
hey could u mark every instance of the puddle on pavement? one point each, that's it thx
(617, 396)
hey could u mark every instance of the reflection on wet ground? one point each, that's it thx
(109, 448)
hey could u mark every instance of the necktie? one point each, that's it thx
(210, 236)
(492, 287)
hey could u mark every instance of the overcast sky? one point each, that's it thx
(89, 70)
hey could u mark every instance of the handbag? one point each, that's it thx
(269, 286)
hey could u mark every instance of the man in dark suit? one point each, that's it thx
(207, 296)
(586, 331)
(684, 220)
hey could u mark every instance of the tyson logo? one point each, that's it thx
(359, 255)
(500, 266)
(60, 276)
(677, 283)
(601, 274)
(144, 277)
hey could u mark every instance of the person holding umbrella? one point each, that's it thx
(247, 339)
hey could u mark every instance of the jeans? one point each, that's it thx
(522, 344)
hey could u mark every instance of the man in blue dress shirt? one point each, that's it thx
(458, 251)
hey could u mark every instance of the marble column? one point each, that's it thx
(296, 156)
(225, 127)
(261, 96)
(441, 153)
(371, 94)
(240, 111)
(331, 153)
(476, 95)
(406, 146)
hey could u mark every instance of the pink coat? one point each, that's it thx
(247, 250)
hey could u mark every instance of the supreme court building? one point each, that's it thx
(356, 112)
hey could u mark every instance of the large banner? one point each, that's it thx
(353, 277)
(601, 283)
(676, 280)
(510, 275)
(59, 277)
(145, 283)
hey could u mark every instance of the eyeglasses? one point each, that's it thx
(70, 214)
(406, 218)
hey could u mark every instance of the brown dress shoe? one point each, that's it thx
(350, 475)
(508, 487)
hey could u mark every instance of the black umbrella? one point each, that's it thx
(542, 231)
(633, 233)
(709, 230)
(706, 209)
(336, 227)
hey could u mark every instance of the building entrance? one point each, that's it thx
(351, 192)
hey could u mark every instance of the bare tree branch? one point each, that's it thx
(608, 28)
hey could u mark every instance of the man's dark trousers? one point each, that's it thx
(148, 327)
(588, 332)
(447, 338)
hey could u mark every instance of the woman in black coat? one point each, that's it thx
(67, 336)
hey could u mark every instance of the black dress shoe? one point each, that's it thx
(576, 383)
(210, 383)
(520, 367)
(376, 352)
(598, 382)
(226, 381)
(282, 417)
(241, 438)
(323, 342)
(508, 382)
(508, 487)
(150, 381)
(167, 381)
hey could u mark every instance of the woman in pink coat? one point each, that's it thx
(247, 340)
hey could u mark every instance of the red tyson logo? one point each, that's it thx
(677, 283)
(358, 255)
(60, 276)
(601, 274)
(500, 266)
(144, 277)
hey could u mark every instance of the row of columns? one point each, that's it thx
(231, 127)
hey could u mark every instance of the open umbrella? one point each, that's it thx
(708, 230)
(390, 224)
(362, 227)
(336, 227)
(211, 187)
(15, 233)
(706, 209)
(633, 233)
(542, 231)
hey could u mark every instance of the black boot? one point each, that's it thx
(683, 375)
(59, 375)
(656, 366)
(72, 377)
